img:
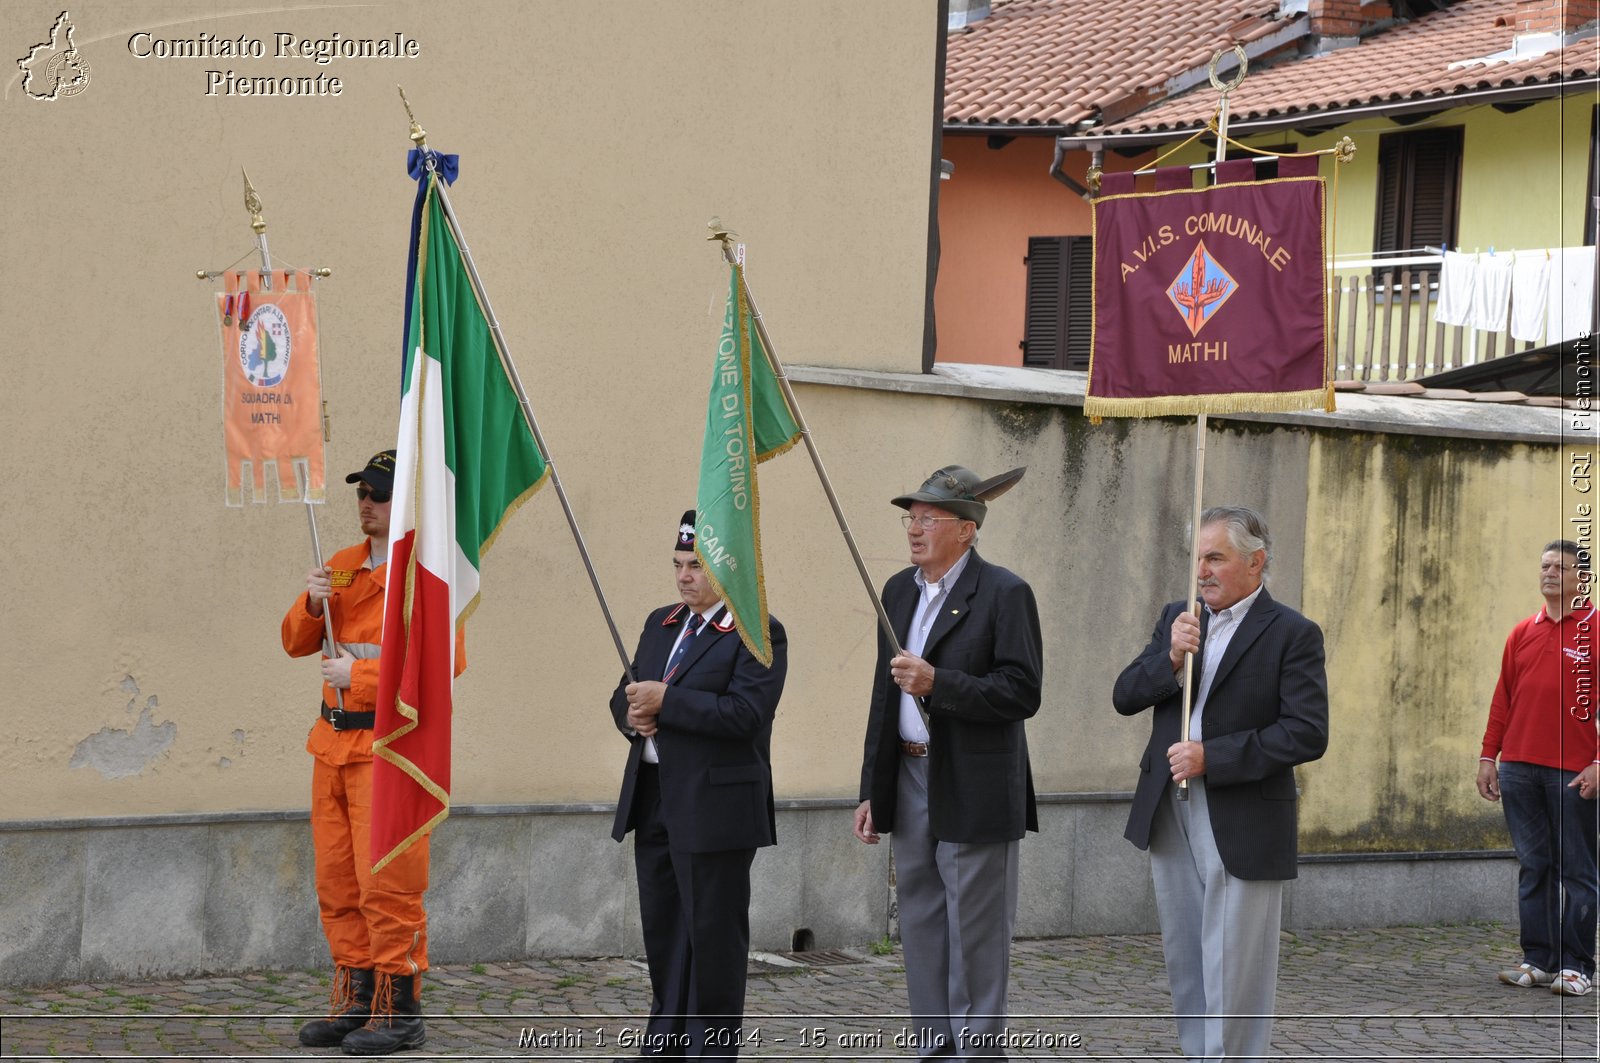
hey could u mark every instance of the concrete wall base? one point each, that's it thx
(167, 896)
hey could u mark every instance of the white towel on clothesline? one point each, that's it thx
(1457, 279)
(1491, 293)
(1530, 295)
(1571, 294)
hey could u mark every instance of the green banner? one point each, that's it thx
(747, 422)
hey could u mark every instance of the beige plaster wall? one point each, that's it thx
(142, 663)
(1427, 553)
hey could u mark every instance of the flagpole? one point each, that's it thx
(1200, 427)
(419, 137)
(258, 223)
(725, 238)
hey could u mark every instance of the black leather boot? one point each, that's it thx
(396, 1022)
(349, 1009)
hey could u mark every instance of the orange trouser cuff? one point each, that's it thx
(371, 921)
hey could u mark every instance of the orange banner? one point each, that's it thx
(271, 386)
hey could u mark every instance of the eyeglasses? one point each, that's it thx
(925, 522)
(364, 492)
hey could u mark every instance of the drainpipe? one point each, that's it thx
(1055, 171)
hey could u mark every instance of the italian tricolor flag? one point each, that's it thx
(465, 460)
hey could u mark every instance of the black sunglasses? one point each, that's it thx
(364, 492)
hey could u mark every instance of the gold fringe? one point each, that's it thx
(1096, 407)
(781, 448)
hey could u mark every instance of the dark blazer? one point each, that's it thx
(713, 734)
(987, 653)
(1267, 711)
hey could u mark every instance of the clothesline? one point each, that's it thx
(1434, 255)
(1542, 294)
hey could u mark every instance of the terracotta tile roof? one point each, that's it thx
(1439, 55)
(1058, 62)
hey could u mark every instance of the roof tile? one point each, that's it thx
(1074, 56)
(1412, 61)
(1056, 63)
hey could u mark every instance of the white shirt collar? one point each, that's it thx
(1238, 609)
(945, 581)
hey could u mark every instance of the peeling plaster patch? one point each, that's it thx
(118, 754)
(225, 763)
(238, 735)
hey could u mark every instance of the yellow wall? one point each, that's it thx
(1523, 174)
(1421, 556)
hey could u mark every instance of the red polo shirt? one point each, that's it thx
(1544, 706)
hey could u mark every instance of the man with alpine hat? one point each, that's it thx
(697, 793)
(375, 924)
(945, 770)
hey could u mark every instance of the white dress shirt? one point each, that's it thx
(930, 597)
(1219, 632)
(650, 755)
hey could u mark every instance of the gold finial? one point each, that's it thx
(252, 203)
(1093, 177)
(323, 272)
(202, 274)
(419, 136)
(724, 236)
(1344, 150)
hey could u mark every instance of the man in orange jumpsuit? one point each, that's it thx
(375, 923)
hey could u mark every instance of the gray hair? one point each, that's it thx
(1247, 531)
(1567, 546)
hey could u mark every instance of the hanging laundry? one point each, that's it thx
(1530, 295)
(1456, 282)
(1491, 293)
(1571, 294)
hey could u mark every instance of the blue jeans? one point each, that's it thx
(1554, 832)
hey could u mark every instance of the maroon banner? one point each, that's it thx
(1210, 301)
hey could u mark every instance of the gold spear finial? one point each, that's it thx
(419, 136)
(252, 203)
(725, 236)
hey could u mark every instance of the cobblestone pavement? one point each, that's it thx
(1414, 993)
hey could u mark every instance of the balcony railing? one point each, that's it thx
(1384, 327)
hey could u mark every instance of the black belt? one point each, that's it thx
(348, 721)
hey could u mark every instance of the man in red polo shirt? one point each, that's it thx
(1542, 730)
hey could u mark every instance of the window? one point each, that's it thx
(1419, 179)
(1060, 309)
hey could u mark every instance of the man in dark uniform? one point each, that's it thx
(697, 793)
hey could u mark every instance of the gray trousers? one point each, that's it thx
(1220, 934)
(958, 906)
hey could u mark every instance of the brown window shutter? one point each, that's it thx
(1046, 304)
(1060, 302)
(1080, 302)
(1419, 177)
